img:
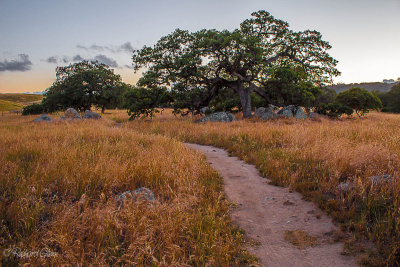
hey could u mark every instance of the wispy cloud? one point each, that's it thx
(106, 60)
(52, 59)
(21, 64)
(124, 48)
(101, 58)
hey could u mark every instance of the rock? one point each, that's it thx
(218, 117)
(43, 118)
(264, 113)
(345, 186)
(144, 192)
(91, 115)
(124, 196)
(381, 179)
(299, 113)
(292, 111)
(139, 194)
(315, 115)
(285, 113)
(71, 113)
(206, 110)
(273, 108)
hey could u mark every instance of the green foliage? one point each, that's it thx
(82, 85)
(359, 99)
(289, 86)
(201, 65)
(142, 102)
(226, 100)
(391, 100)
(333, 110)
(33, 109)
(327, 96)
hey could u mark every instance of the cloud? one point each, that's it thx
(77, 58)
(106, 60)
(101, 58)
(21, 64)
(52, 59)
(124, 48)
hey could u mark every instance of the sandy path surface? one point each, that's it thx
(265, 212)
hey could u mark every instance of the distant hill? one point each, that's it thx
(7, 106)
(17, 101)
(377, 86)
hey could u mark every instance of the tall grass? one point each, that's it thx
(58, 188)
(315, 158)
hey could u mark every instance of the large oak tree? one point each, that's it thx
(196, 66)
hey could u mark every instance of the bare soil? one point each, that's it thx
(269, 213)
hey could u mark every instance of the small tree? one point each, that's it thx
(142, 102)
(391, 99)
(82, 85)
(359, 99)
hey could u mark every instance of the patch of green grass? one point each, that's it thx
(7, 106)
(21, 98)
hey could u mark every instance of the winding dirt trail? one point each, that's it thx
(265, 212)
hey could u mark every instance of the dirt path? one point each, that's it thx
(265, 212)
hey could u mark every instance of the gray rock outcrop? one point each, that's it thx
(206, 110)
(141, 193)
(380, 179)
(218, 117)
(265, 113)
(91, 115)
(292, 111)
(299, 113)
(43, 118)
(71, 113)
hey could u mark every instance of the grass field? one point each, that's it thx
(7, 105)
(21, 98)
(59, 184)
(316, 158)
(17, 101)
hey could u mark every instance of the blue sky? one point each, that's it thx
(37, 36)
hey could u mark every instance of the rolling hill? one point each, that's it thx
(17, 101)
(376, 86)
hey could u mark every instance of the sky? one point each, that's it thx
(37, 36)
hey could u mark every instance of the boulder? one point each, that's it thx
(299, 113)
(124, 196)
(206, 110)
(91, 115)
(315, 115)
(345, 187)
(71, 113)
(145, 193)
(43, 118)
(265, 113)
(286, 112)
(141, 193)
(218, 117)
(381, 179)
(292, 111)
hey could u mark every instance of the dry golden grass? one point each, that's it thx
(300, 239)
(58, 187)
(314, 158)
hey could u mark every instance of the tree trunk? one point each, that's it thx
(245, 101)
(103, 108)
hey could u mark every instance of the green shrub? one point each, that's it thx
(33, 109)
